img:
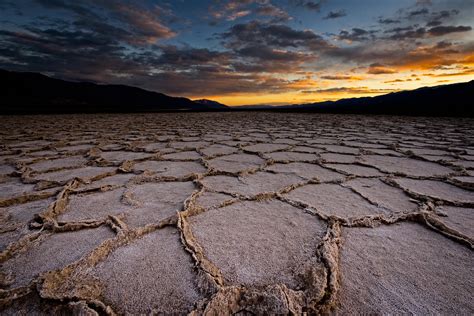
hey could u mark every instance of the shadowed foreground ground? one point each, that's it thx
(236, 212)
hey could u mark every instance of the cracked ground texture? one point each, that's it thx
(223, 213)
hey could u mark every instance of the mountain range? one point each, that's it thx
(25, 93)
(33, 93)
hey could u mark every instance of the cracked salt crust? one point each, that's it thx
(219, 213)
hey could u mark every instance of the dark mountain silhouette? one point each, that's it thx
(446, 100)
(210, 104)
(23, 92)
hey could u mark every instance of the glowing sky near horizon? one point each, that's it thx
(244, 51)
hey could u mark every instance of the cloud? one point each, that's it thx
(438, 17)
(266, 53)
(379, 69)
(335, 14)
(238, 14)
(442, 45)
(117, 42)
(92, 48)
(356, 35)
(419, 12)
(311, 5)
(231, 10)
(465, 72)
(172, 57)
(444, 14)
(443, 30)
(388, 21)
(424, 13)
(268, 47)
(66, 5)
(340, 77)
(235, 4)
(141, 21)
(409, 32)
(402, 33)
(395, 81)
(67, 54)
(273, 35)
(184, 71)
(402, 56)
(139, 25)
(235, 9)
(275, 12)
(348, 90)
(434, 23)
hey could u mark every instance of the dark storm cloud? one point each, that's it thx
(256, 51)
(335, 14)
(94, 48)
(272, 35)
(69, 54)
(140, 25)
(92, 45)
(249, 59)
(267, 47)
(170, 69)
(55, 42)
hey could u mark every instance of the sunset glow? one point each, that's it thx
(242, 52)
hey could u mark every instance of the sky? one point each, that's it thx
(241, 52)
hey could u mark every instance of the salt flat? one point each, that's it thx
(222, 213)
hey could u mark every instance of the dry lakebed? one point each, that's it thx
(236, 213)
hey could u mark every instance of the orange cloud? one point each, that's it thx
(341, 77)
(377, 69)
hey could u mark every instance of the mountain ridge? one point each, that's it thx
(455, 100)
(33, 93)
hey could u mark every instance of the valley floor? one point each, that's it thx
(236, 212)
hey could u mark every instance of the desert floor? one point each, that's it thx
(236, 213)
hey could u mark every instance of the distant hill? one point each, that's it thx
(255, 107)
(24, 93)
(446, 100)
(210, 104)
